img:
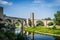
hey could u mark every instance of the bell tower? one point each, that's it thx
(32, 19)
(1, 12)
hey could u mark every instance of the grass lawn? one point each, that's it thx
(42, 29)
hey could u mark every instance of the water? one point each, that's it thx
(41, 37)
(17, 30)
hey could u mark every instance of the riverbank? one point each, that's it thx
(43, 30)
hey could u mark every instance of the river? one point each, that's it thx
(43, 37)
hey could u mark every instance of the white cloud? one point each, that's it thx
(44, 3)
(5, 2)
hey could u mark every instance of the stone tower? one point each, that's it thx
(32, 19)
(1, 12)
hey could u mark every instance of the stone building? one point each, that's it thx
(1, 12)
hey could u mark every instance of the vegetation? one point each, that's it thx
(7, 32)
(21, 37)
(43, 29)
(17, 24)
(40, 23)
(50, 23)
(57, 18)
(48, 18)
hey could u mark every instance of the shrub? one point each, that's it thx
(54, 27)
(50, 23)
(21, 37)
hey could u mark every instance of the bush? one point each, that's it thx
(10, 34)
(21, 37)
(54, 27)
(50, 24)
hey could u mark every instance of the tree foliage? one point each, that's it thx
(8, 32)
(50, 23)
(57, 18)
(48, 18)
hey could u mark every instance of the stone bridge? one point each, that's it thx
(25, 21)
(45, 22)
(15, 19)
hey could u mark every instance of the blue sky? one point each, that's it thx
(22, 8)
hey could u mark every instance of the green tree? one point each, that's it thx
(57, 18)
(48, 18)
(50, 23)
(6, 33)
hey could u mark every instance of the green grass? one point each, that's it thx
(43, 29)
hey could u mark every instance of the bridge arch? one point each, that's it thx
(39, 23)
(7, 21)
